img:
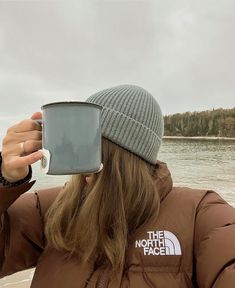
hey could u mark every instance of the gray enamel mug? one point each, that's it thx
(71, 138)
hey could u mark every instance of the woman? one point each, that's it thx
(123, 227)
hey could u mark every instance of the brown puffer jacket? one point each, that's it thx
(192, 244)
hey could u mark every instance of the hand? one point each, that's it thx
(20, 148)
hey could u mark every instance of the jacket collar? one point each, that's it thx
(163, 180)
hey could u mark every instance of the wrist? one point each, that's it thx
(6, 180)
(12, 177)
(7, 177)
(7, 183)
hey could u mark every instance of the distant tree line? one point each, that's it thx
(219, 123)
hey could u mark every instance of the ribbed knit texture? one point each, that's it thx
(131, 118)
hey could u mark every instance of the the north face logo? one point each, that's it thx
(159, 243)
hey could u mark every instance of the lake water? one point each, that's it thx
(204, 164)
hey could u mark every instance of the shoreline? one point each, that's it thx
(199, 137)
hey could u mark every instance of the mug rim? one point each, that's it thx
(70, 103)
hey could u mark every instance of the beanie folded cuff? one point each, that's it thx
(130, 134)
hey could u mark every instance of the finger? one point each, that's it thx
(13, 138)
(26, 125)
(36, 115)
(30, 146)
(22, 148)
(30, 159)
(31, 135)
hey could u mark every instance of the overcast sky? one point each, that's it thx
(182, 51)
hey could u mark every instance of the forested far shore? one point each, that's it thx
(216, 123)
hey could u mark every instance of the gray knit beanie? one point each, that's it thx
(131, 118)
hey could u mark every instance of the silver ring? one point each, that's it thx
(22, 147)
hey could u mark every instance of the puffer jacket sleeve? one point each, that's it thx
(21, 226)
(214, 243)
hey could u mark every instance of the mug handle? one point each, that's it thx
(39, 121)
(45, 161)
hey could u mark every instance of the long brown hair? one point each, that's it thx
(97, 221)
